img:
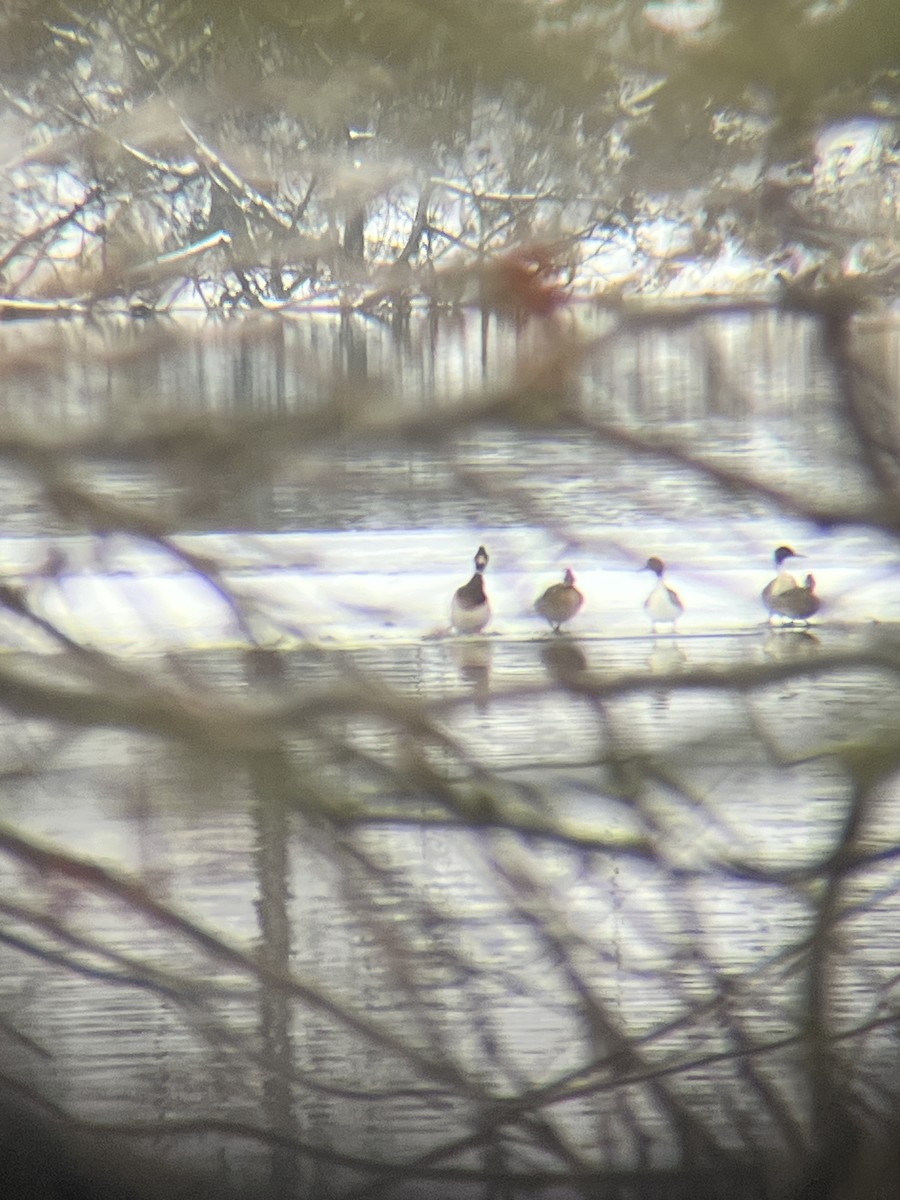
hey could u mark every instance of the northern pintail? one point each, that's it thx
(470, 609)
(663, 604)
(560, 602)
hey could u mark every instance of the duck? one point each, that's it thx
(560, 602)
(784, 581)
(797, 603)
(470, 609)
(663, 604)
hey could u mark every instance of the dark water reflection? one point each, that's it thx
(755, 392)
(540, 904)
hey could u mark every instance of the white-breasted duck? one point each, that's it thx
(470, 609)
(560, 602)
(663, 605)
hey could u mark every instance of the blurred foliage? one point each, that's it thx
(319, 139)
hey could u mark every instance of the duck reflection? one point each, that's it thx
(666, 657)
(473, 662)
(787, 643)
(265, 665)
(565, 661)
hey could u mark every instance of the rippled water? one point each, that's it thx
(584, 871)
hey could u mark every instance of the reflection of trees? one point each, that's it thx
(252, 156)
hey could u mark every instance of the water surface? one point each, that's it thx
(589, 876)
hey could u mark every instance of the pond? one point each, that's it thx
(394, 906)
